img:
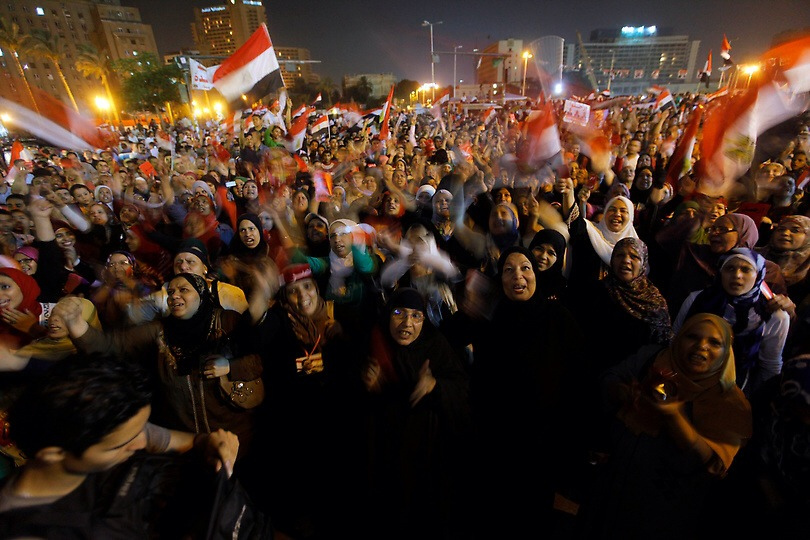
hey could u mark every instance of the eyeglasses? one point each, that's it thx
(400, 314)
(119, 264)
(721, 230)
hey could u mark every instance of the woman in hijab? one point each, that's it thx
(736, 296)
(677, 420)
(625, 309)
(522, 375)
(188, 351)
(419, 424)
(124, 279)
(19, 308)
(548, 247)
(697, 263)
(789, 247)
(312, 441)
(591, 244)
(249, 245)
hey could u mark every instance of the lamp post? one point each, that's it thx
(526, 56)
(432, 56)
(455, 49)
(612, 61)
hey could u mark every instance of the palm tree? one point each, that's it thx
(13, 41)
(92, 63)
(327, 87)
(48, 46)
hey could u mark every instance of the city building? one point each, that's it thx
(501, 62)
(638, 57)
(114, 30)
(222, 28)
(380, 82)
(297, 66)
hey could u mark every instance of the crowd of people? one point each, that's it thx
(428, 334)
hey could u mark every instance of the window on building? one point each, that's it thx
(40, 11)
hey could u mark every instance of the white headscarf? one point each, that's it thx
(603, 239)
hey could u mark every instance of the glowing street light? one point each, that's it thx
(750, 70)
(526, 56)
(102, 103)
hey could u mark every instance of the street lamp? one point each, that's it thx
(432, 56)
(456, 48)
(750, 70)
(103, 105)
(526, 56)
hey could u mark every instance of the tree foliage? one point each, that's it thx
(146, 84)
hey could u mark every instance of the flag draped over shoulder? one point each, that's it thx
(55, 123)
(731, 128)
(252, 70)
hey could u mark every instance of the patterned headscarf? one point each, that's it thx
(640, 297)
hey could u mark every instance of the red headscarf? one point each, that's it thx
(10, 336)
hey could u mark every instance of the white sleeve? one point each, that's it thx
(774, 336)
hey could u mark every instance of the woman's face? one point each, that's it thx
(119, 266)
(250, 191)
(128, 215)
(303, 296)
(65, 238)
(370, 184)
(185, 262)
(722, 235)
(105, 195)
(27, 264)
(546, 256)
(441, 204)
(133, 241)
(617, 216)
(249, 234)
(788, 236)
(737, 276)
(56, 327)
(11, 295)
(97, 215)
(518, 279)
(202, 204)
(626, 263)
(702, 348)
(502, 195)
(644, 180)
(340, 240)
(300, 202)
(183, 299)
(406, 325)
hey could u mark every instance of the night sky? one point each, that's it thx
(363, 36)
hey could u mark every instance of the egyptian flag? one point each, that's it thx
(436, 109)
(384, 131)
(489, 115)
(664, 100)
(322, 182)
(300, 110)
(706, 74)
(317, 99)
(732, 127)
(56, 123)
(541, 138)
(252, 71)
(725, 53)
(681, 161)
(320, 125)
(298, 130)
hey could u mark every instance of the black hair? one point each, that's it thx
(77, 403)
(17, 196)
(74, 187)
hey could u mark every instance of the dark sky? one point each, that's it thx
(365, 36)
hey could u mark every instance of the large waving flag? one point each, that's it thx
(252, 71)
(320, 126)
(298, 130)
(681, 161)
(731, 129)
(436, 109)
(55, 122)
(384, 131)
(541, 138)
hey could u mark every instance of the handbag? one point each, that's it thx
(241, 394)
